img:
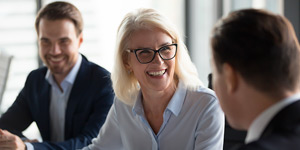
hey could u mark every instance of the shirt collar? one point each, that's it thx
(260, 123)
(137, 108)
(177, 100)
(174, 105)
(72, 74)
(70, 78)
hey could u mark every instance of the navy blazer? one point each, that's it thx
(282, 133)
(89, 102)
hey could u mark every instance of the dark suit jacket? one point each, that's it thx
(282, 133)
(89, 102)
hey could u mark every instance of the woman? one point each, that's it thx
(160, 103)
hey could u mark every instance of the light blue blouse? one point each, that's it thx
(192, 120)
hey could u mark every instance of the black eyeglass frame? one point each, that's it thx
(155, 51)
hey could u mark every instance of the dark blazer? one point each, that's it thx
(282, 133)
(89, 102)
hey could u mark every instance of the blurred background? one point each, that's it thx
(194, 19)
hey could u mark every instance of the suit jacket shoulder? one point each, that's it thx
(282, 133)
(89, 102)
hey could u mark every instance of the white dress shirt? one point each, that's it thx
(58, 103)
(261, 122)
(192, 120)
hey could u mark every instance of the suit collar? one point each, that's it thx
(261, 122)
(81, 81)
(284, 120)
(44, 96)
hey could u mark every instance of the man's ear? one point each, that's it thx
(80, 36)
(230, 77)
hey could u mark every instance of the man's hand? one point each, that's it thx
(10, 141)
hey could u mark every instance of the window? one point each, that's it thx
(101, 21)
(201, 17)
(18, 38)
(102, 18)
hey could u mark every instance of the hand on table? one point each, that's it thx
(9, 141)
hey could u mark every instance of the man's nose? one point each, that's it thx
(55, 49)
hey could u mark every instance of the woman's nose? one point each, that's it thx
(157, 59)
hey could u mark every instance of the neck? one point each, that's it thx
(261, 102)
(58, 79)
(156, 101)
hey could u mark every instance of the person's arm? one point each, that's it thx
(103, 102)
(10, 141)
(109, 136)
(210, 130)
(17, 118)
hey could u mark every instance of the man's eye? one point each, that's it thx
(45, 42)
(64, 41)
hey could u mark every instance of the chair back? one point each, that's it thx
(5, 61)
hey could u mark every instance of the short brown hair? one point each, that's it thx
(261, 46)
(60, 10)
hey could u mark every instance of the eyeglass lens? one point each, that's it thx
(147, 55)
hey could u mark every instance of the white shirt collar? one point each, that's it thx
(174, 105)
(260, 123)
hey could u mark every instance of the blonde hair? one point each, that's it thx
(125, 85)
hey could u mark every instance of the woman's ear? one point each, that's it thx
(127, 64)
(128, 68)
(230, 77)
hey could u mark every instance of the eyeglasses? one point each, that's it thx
(146, 55)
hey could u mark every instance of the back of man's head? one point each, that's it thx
(261, 46)
(60, 10)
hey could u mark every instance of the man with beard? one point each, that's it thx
(69, 98)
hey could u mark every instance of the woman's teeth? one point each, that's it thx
(158, 73)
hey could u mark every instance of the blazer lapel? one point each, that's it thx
(81, 82)
(283, 120)
(44, 100)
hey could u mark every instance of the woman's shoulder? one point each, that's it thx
(201, 103)
(202, 96)
(121, 107)
(202, 92)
